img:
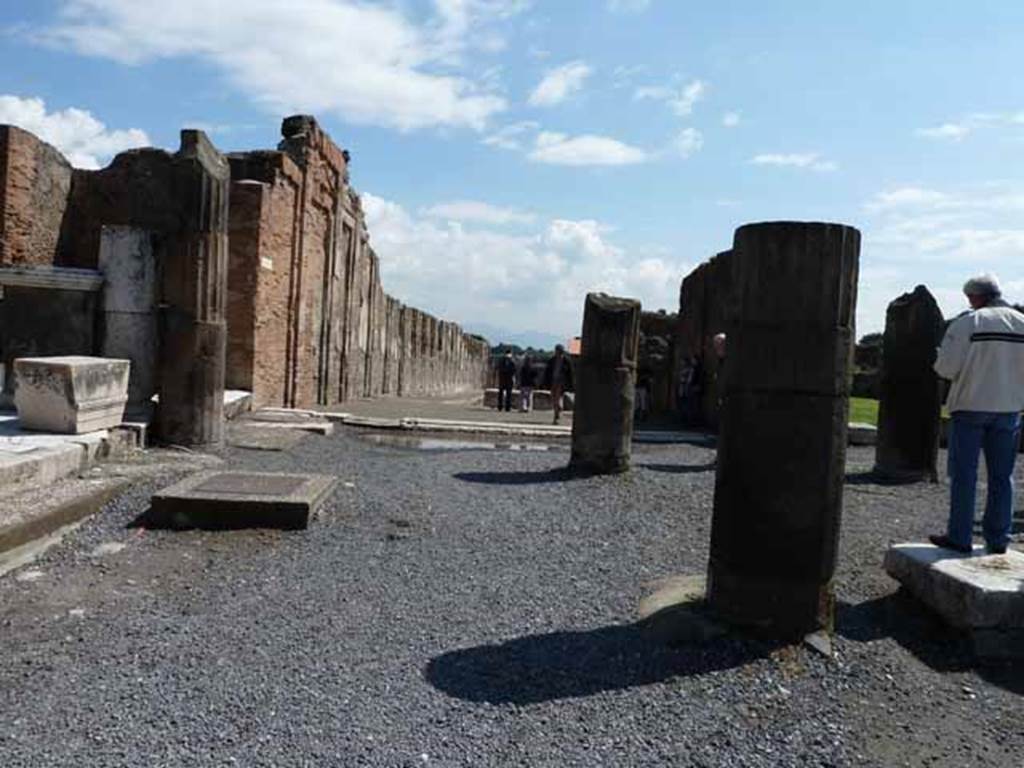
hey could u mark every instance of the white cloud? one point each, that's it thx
(916, 234)
(680, 99)
(538, 277)
(689, 141)
(693, 92)
(559, 84)
(628, 6)
(958, 130)
(478, 212)
(560, 149)
(807, 160)
(950, 131)
(731, 119)
(85, 141)
(364, 63)
(510, 137)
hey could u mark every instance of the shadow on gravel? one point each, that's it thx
(565, 665)
(559, 475)
(680, 469)
(902, 618)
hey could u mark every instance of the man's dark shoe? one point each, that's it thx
(945, 542)
(995, 550)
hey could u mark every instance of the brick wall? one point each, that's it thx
(309, 321)
(323, 323)
(34, 183)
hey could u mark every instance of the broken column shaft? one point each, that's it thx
(911, 397)
(602, 425)
(782, 443)
(193, 326)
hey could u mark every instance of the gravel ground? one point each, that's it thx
(472, 608)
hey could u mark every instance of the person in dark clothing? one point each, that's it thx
(527, 381)
(506, 379)
(558, 379)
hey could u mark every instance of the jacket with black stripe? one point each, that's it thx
(982, 353)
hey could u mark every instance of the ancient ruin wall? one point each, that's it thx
(324, 329)
(34, 183)
(309, 321)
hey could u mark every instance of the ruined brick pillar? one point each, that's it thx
(782, 444)
(602, 426)
(911, 396)
(193, 297)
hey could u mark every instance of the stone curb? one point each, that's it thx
(50, 519)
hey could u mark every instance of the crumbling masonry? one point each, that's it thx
(251, 270)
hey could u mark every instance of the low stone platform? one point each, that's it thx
(232, 500)
(980, 593)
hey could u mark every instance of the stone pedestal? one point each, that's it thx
(981, 593)
(782, 444)
(71, 395)
(911, 400)
(602, 427)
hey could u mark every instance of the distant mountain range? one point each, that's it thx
(497, 335)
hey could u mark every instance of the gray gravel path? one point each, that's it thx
(472, 608)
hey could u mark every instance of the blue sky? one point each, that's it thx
(514, 154)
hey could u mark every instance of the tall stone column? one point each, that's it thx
(782, 443)
(911, 397)
(605, 378)
(193, 327)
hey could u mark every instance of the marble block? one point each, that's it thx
(70, 395)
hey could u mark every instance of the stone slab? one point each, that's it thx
(976, 591)
(258, 438)
(285, 419)
(236, 402)
(72, 394)
(233, 500)
(861, 434)
(674, 611)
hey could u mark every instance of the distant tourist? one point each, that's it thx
(690, 390)
(527, 381)
(642, 405)
(558, 378)
(983, 355)
(506, 380)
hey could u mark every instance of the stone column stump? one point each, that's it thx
(602, 427)
(782, 444)
(911, 395)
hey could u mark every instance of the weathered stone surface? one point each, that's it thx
(227, 500)
(602, 428)
(71, 395)
(910, 394)
(127, 260)
(976, 591)
(782, 446)
(48, 313)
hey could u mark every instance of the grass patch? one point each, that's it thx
(864, 410)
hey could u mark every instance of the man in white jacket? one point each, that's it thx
(982, 355)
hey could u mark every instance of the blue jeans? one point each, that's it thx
(998, 435)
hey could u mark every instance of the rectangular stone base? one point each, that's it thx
(232, 500)
(71, 395)
(979, 592)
